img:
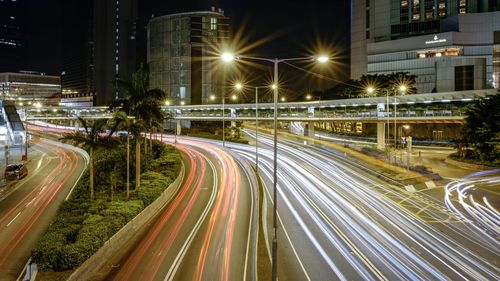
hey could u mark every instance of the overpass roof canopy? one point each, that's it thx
(426, 98)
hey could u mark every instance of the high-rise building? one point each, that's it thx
(179, 50)
(77, 77)
(114, 45)
(99, 44)
(440, 41)
(13, 43)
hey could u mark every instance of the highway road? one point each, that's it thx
(339, 221)
(28, 207)
(209, 230)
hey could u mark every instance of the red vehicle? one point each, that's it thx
(15, 171)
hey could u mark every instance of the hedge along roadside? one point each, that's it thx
(99, 263)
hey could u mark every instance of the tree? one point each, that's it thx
(481, 130)
(143, 103)
(93, 137)
(380, 82)
(123, 122)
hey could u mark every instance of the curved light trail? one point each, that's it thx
(208, 231)
(346, 223)
(30, 205)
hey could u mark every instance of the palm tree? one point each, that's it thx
(122, 121)
(141, 102)
(136, 130)
(92, 139)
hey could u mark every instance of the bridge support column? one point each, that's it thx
(178, 127)
(381, 135)
(309, 130)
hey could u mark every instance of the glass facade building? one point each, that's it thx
(181, 51)
(433, 39)
(28, 88)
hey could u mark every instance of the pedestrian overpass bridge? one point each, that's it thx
(429, 108)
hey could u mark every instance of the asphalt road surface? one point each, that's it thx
(209, 230)
(339, 221)
(28, 206)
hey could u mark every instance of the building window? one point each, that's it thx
(463, 3)
(442, 5)
(368, 34)
(442, 13)
(429, 15)
(404, 3)
(416, 17)
(464, 78)
(367, 18)
(213, 23)
(463, 10)
(416, 3)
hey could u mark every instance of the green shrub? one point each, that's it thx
(83, 226)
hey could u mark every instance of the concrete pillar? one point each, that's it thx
(178, 127)
(381, 135)
(310, 129)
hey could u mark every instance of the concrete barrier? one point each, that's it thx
(101, 262)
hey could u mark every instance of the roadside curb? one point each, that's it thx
(466, 165)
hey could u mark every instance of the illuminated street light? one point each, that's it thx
(183, 103)
(234, 97)
(238, 86)
(322, 59)
(283, 99)
(402, 88)
(309, 97)
(212, 97)
(227, 57)
(370, 90)
(167, 103)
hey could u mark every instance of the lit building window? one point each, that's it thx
(404, 3)
(446, 52)
(416, 17)
(416, 2)
(429, 15)
(213, 23)
(463, 3)
(442, 5)
(442, 13)
(463, 11)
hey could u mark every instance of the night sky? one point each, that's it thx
(291, 28)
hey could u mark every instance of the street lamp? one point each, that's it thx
(239, 86)
(228, 57)
(283, 99)
(402, 89)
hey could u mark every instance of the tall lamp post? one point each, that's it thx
(240, 87)
(402, 88)
(228, 57)
(318, 99)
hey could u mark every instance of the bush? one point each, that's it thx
(82, 226)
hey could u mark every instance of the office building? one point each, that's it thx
(99, 44)
(13, 41)
(181, 51)
(448, 44)
(30, 88)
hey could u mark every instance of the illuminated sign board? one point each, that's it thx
(436, 40)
